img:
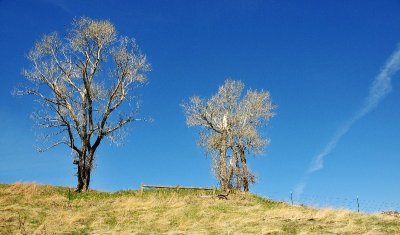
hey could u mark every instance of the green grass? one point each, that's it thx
(41, 209)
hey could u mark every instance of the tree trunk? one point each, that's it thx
(244, 167)
(236, 168)
(80, 172)
(88, 170)
(84, 171)
(83, 176)
(222, 165)
(87, 179)
(85, 164)
(237, 172)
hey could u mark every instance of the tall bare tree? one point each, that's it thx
(81, 80)
(230, 124)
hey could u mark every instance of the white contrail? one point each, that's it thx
(380, 87)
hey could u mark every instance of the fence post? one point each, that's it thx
(291, 197)
(141, 189)
(358, 205)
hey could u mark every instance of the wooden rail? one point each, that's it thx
(177, 187)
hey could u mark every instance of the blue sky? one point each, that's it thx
(318, 59)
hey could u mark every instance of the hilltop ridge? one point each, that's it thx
(43, 209)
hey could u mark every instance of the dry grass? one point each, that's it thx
(39, 209)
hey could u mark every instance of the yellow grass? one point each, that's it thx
(40, 209)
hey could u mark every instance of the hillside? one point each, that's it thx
(41, 209)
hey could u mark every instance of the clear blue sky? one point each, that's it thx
(317, 58)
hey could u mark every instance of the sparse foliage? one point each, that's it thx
(230, 128)
(80, 81)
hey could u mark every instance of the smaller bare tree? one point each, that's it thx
(80, 81)
(230, 124)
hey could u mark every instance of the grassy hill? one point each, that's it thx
(41, 209)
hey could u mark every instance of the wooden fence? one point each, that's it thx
(177, 187)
